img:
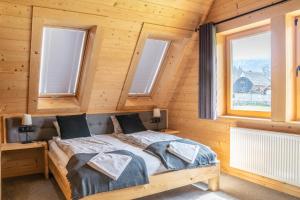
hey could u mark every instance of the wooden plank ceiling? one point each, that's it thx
(118, 45)
(224, 9)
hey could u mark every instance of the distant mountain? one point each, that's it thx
(254, 65)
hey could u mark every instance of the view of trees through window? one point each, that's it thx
(251, 72)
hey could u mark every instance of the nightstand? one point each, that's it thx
(170, 131)
(42, 146)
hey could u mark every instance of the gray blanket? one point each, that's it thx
(85, 180)
(205, 157)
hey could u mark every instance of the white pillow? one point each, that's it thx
(55, 123)
(117, 127)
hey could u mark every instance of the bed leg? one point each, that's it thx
(214, 183)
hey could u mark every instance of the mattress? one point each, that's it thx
(153, 164)
(60, 157)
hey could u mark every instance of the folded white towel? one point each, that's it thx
(186, 152)
(110, 164)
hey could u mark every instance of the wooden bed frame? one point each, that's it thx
(157, 183)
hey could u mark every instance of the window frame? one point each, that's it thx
(42, 17)
(160, 70)
(164, 83)
(297, 63)
(81, 65)
(242, 34)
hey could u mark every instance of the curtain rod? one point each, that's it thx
(250, 12)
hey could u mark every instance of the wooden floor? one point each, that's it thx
(37, 188)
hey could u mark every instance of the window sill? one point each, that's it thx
(242, 118)
(139, 103)
(66, 104)
(264, 123)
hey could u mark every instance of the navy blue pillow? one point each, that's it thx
(131, 123)
(73, 126)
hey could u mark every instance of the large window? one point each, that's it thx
(148, 67)
(62, 53)
(249, 60)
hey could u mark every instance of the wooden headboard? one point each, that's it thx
(98, 124)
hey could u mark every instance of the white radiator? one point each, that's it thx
(266, 153)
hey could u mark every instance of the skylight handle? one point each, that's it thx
(297, 70)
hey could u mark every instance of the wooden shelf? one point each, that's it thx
(20, 146)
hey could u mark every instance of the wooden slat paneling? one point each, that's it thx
(180, 15)
(15, 26)
(120, 37)
(223, 9)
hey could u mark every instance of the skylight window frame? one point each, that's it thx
(81, 61)
(228, 54)
(160, 68)
(42, 17)
(168, 75)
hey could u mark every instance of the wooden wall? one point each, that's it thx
(183, 108)
(15, 25)
(224, 9)
(117, 49)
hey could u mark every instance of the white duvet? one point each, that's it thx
(145, 138)
(84, 145)
(104, 143)
(111, 165)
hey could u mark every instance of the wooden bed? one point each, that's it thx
(97, 123)
(158, 183)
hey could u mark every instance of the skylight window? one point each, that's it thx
(148, 67)
(62, 53)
